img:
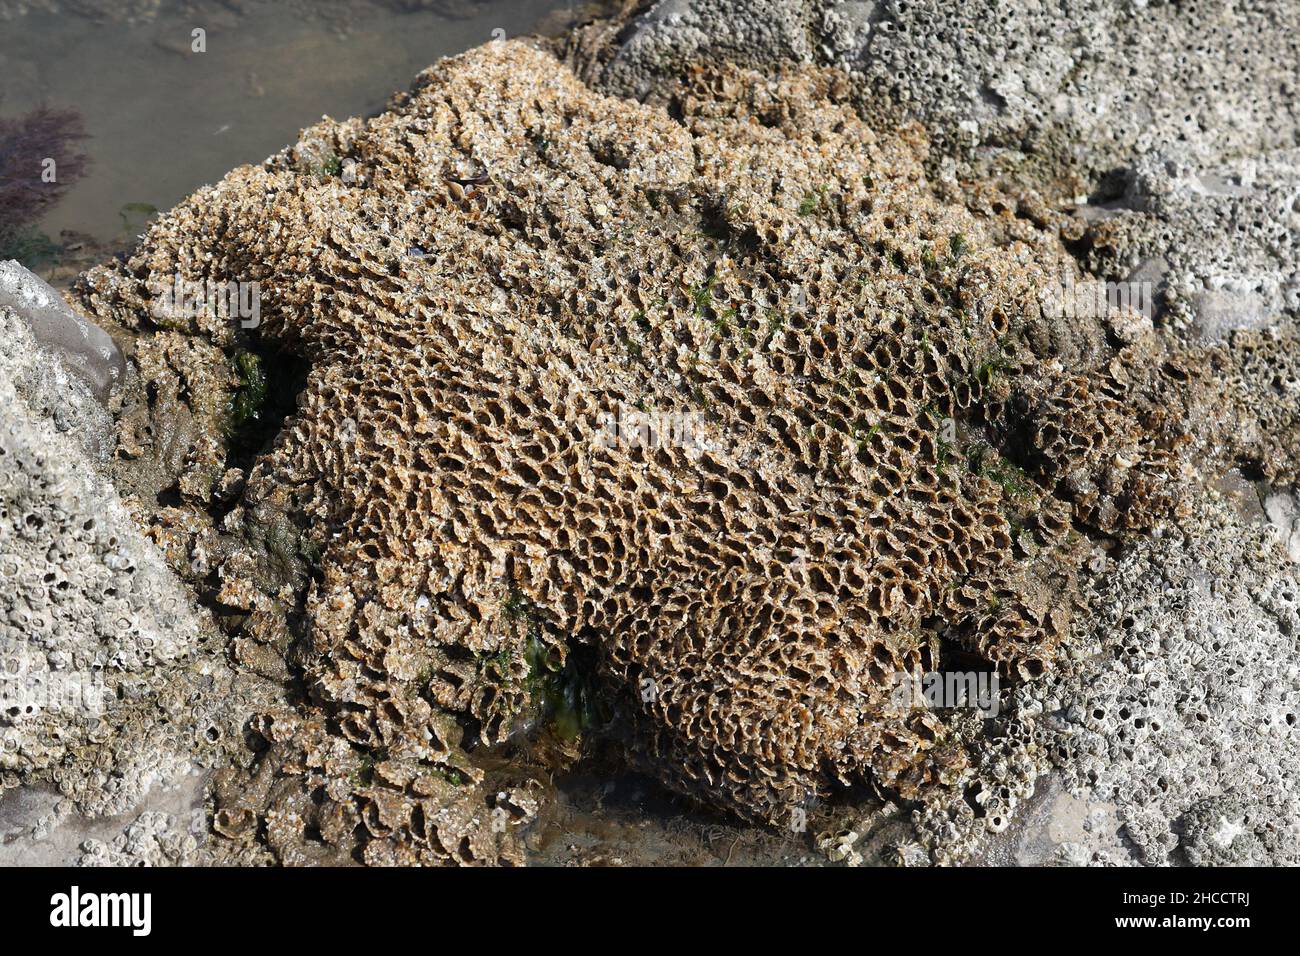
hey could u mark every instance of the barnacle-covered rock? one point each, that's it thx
(725, 396)
(101, 691)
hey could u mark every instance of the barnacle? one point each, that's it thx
(877, 464)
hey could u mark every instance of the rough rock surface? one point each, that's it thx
(1190, 723)
(105, 690)
(1217, 241)
(730, 402)
(1076, 88)
(64, 367)
(1173, 721)
(39, 827)
(717, 415)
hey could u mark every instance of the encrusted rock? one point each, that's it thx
(722, 402)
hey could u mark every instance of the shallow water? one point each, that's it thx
(164, 120)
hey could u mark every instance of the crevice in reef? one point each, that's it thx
(270, 381)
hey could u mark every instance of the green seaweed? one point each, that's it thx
(564, 695)
(32, 248)
(632, 346)
(812, 201)
(722, 322)
(453, 777)
(702, 296)
(136, 215)
(774, 322)
(516, 606)
(246, 404)
(984, 461)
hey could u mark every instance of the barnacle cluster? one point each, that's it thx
(102, 693)
(508, 286)
(1253, 383)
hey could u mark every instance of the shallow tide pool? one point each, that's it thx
(168, 110)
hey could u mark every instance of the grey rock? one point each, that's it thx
(38, 827)
(1056, 827)
(1083, 86)
(52, 391)
(1225, 238)
(63, 366)
(85, 349)
(91, 620)
(1283, 510)
(1171, 732)
(1185, 706)
(1231, 830)
(673, 33)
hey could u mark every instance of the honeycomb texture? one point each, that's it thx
(507, 262)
